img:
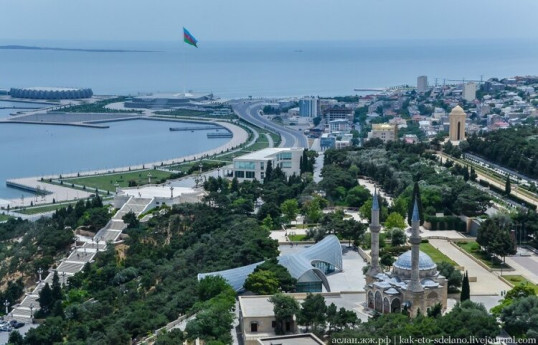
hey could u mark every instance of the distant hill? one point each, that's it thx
(14, 47)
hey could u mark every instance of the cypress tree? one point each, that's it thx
(415, 195)
(268, 171)
(507, 186)
(465, 288)
(45, 299)
(56, 287)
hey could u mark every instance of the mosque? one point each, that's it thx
(414, 284)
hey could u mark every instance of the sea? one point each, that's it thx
(228, 70)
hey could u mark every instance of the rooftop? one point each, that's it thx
(263, 154)
(158, 191)
(295, 339)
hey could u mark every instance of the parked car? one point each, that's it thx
(16, 324)
(6, 328)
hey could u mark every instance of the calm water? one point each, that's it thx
(233, 69)
(35, 150)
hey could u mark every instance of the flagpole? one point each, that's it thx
(184, 68)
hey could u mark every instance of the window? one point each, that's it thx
(273, 324)
(262, 166)
(250, 174)
(239, 174)
(244, 165)
(285, 165)
(262, 175)
(254, 327)
(284, 156)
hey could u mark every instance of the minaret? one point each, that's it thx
(414, 285)
(375, 227)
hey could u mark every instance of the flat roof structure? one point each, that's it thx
(159, 191)
(296, 339)
(263, 154)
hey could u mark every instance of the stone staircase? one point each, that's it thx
(76, 260)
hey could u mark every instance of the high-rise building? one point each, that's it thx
(469, 92)
(457, 119)
(308, 107)
(422, 83)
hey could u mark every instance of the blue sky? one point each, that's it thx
(276, 20)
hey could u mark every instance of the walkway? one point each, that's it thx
(487, 283)
(76, 260)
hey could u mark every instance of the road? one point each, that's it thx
(249, 111)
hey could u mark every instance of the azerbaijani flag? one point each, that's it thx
(189, 38)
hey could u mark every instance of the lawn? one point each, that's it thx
(111, 181)
(296, 238)
(42, 209)
(473, 248)
(517, 279)
(435, 254)
(4, 217)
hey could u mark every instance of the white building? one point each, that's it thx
(422, 83)
(469, 92)
(253, 165)
(308, 107)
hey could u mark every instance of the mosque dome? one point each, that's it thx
(425, 263)
(457, 110)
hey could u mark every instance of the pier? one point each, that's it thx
(225, 134)
(194, 128)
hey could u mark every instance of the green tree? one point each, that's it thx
(15, 338)
(46, 299)
(267, 222)
(312, 311)
(387, 260)
(289, 209)
(56, 287)
(398, 237)
(473, 174)
(521, 317)
(262, 283)
(284, 308)
(395, 220)
(131, 220)
(452, 275)
(210, 287)
(507, 186)
(468, 319)
(357, 196)
(465, 288)
(285, 281)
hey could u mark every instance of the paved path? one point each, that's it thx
(76, 260)
(487, 282)
(526, 266)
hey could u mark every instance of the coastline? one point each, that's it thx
(61, 194)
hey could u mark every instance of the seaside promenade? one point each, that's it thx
(56, 193)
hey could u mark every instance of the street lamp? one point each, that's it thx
(218, 172)
(32, 312)
(6, 303)
(40, 271)
(63, 276)
(171, 192)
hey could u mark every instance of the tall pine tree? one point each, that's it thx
(507, 186)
